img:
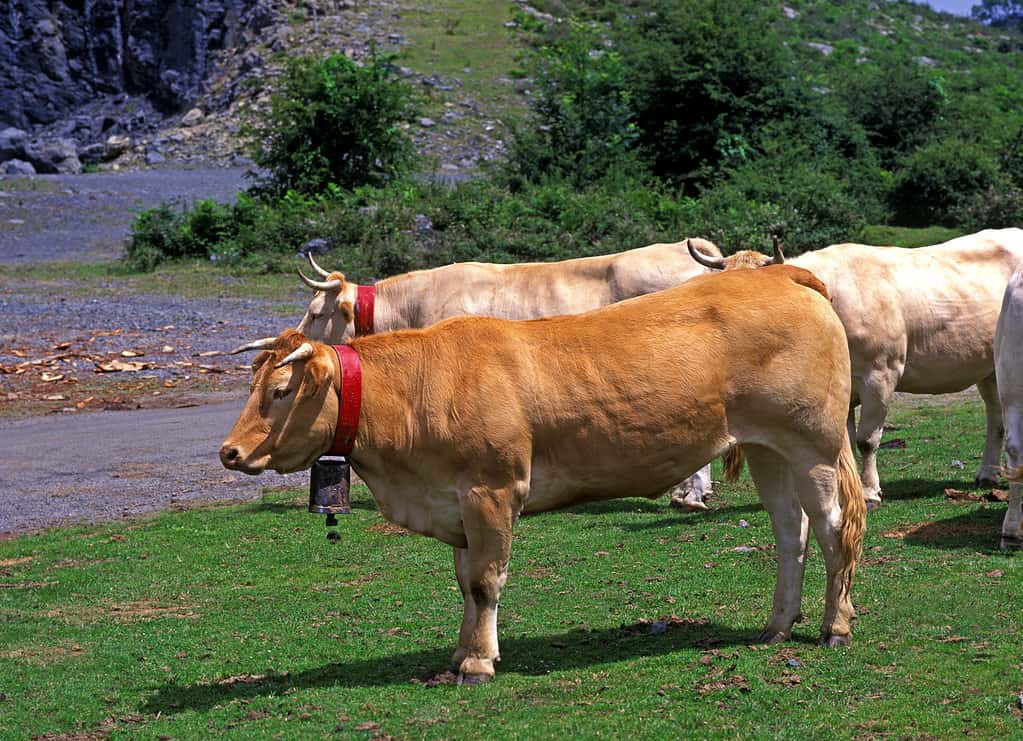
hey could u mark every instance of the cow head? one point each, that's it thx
(743, 259)
(291, 415)
(331, 313)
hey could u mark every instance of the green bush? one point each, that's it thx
(334, 122)
(164, 233)
(937, 180)
(581, 125)
(994, 208)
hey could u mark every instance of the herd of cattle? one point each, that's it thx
(635, 371)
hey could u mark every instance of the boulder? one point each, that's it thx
(54, 156)
(18, 167)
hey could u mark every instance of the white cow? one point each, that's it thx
(917, 320)
(1009, 371)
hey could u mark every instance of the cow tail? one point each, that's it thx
(854, 513)
(733, 460)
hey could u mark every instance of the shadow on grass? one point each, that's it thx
(538, 656)
(905, 489)
(978, 529)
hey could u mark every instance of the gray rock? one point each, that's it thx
(427, 122)
(153, 157)
(12, 143)
(18, 167)
(193, 117)
(54, 156)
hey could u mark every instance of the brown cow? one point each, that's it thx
(468, 424)
(918, 320)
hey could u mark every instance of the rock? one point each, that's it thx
(12, 143)
(317, 246)
(427, 122)
(55, 156)
(18, 167)
(193, 117)
(92, 154)
(116, 145)
(154, 158)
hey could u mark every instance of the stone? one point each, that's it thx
(54, 156)
(193, 117)
(154, 158)
(18, 167)
(116, 145)
(12, 143)
(426, 123)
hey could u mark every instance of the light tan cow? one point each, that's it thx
(918, 320)
(469, 423)
(1009, 372)
(512, 291)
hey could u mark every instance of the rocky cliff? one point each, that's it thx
(57, 55)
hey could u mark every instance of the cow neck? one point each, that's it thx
(349, 400)
(365, 303)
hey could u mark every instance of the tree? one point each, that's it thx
(1004, 13)
(334, 122)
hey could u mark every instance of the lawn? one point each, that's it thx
(622, 618)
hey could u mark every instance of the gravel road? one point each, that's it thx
(87, 217)
(100, 465)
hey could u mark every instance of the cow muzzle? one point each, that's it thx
(232, 458)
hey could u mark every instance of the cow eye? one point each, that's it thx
(281, 393)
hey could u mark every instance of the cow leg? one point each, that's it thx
(462, 573)
(817, 488)
(482, 568)
(690, 495)
(875, 398)
(773, 479)
(987, 475)
(1012, 525)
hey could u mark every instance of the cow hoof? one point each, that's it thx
(1011, 543)
(472, 679)
(834, 641)
(772, 636)
(689, 505)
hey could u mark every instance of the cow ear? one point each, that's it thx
(318, 371)
(347, 310)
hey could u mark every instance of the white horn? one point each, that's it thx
(714, 263)
(304, 352)
(263, 344)
(323, 273)
(320, 285)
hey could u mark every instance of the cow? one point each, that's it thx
(918, 320)
(467, 424)
(340, 309)
(1009, 373)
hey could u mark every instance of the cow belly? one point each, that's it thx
(940, 376)
(553, 487)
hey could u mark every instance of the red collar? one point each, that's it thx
(365, 297)
(349, 401)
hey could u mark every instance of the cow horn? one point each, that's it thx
(320, 285)
(714, 263)
(323, 273)
(263, 344)
(304, 352)
(779, 256)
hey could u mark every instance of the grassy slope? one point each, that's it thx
(242, 621)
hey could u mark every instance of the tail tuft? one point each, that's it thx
(854, 513)
(733, 460)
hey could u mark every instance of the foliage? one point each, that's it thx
(897, 101)
(999, 13)
(619, 619)
(938, 179)
(333, 122)
(582, 122)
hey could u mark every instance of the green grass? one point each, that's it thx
(448, 37)
(190, 279)
(904, 236)
(243, 622)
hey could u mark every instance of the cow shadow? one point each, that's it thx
(537, 656)
(906, 489)
(978, 529)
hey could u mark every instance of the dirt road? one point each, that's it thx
(74, 464)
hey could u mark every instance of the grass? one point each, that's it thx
(904, 236)
(449, 37)
(243, 622)
(190, 279)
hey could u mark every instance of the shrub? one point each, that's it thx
(994, 208)
(333, 122)
(938, 179)
(582, 124)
